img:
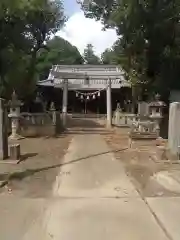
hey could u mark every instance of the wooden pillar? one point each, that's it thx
(109, 104)
(65, 102)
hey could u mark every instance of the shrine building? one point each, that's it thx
(87, 88)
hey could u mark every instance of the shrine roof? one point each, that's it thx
(88, 66)
(80, 84)
(96, 75)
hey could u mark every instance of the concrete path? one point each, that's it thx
(94, 199)
(91, 171)
(18, 216)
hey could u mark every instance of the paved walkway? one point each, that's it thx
(94, 199)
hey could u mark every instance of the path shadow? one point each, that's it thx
(81, 126)
(87, 131)
(26, 156)
(30, 172)
(84, 123)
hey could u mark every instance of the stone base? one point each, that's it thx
(122, 125)
(14, 150)
(10, 161)
(15, 137)
(139, 136)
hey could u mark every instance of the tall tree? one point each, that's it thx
(44, 19)
(150, 55)
(57, 51)
(89, 55)
(107, 57)
(24, 28)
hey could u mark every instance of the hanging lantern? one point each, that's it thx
(77, 95)
(87, 97)
(81, 96)
(99, 94)
(94, 97)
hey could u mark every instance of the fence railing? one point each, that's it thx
(38, 118)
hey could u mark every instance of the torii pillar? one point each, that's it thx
(109, 104)
(65, 102)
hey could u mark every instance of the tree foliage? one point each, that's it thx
(149, 39)
(107, 57)
(57, 51)
(25, 26)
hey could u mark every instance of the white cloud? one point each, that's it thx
(80, 31)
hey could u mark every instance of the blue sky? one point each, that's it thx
(80, 31)
(71, 7)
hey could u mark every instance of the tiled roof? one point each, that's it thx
(97, 76)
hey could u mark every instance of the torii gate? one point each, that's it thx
(86, 77)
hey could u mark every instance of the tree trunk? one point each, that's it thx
(134, 99)
(32, 66)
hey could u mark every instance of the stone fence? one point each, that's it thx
(39, 124)
(141, 127)
(123, 119)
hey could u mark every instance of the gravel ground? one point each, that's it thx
(42, 158)
(35, 174)
(142, 162)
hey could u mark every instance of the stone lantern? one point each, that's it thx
(53, 111)
(156, 110)
(117, 114)
(14, 114)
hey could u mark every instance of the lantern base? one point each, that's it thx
(15, 137)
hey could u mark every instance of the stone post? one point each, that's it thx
(143, 109)
(174, 128)
(65, 102)
(109, 104)
(3, 131)
(53, 112)
(117, 115)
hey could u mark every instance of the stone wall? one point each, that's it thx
(123, 119)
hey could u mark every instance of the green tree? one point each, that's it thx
(89, 55)
(148, 54)
(44, 19)
(107, 57)
(24, 28)
(57, 51)
(12, 40)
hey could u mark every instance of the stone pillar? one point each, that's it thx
(53, 112)
(143, 109)
(109, 104)
(3, 131)
(65, 102)
(174, 129)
